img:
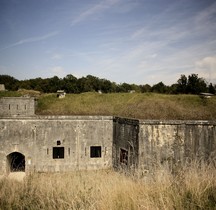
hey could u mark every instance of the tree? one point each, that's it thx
(145, 88)
(195, 84)
(10, 82)
(69, 84)
(211, 88)
(182, 84)
(159, 88)
(54, 84)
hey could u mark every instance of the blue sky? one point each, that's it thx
(133, 41)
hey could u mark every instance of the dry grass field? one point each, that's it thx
(136, 105)
(191, 188)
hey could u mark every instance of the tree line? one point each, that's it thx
(192, 84)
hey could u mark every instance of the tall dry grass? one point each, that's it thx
(193, 187)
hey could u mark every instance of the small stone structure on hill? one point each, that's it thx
(2, 87)
(61, 94)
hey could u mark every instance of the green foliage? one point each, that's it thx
(192, 85)
(159, 88)
(10, 82)
(185, 85)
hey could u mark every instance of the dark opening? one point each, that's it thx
(58, 142)
(58, 152)
(123, 156)
(16, 162)
(95, 151)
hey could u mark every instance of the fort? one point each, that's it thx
(37, 143)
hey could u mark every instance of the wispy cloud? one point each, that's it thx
(207, 15)
(95, 9)
(31, 39)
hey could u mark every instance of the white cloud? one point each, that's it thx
(207, 68)
(58, 71)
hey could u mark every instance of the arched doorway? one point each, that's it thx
(16, 162)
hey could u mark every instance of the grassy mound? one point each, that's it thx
(131, 105)
(136, 105)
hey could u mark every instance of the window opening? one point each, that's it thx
(95, 151)
(17, 106)
(123, 156)
(47, 151)
(69, 151)
(58, 152)
(9, 107)
(58, 142)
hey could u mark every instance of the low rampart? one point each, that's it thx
(67, 143)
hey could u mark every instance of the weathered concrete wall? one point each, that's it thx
(36, 137)
(20, 106)
(66, 143)
(172, 143)
(125, 143)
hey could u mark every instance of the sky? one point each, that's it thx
(132, 41)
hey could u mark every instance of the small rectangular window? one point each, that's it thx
(47, 151)
(69, 151)
(17, 107)
(9, 107)
(95, 151)
(58, 152)
(123, 156)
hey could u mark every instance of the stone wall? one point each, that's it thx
(125, 143)
(19, 106)
(67, 143)
(173, 143)
(57, 143)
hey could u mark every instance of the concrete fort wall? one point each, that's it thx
(17, 106)
(125, 143)
(150, 144)
(57, 143)
(173, 143)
